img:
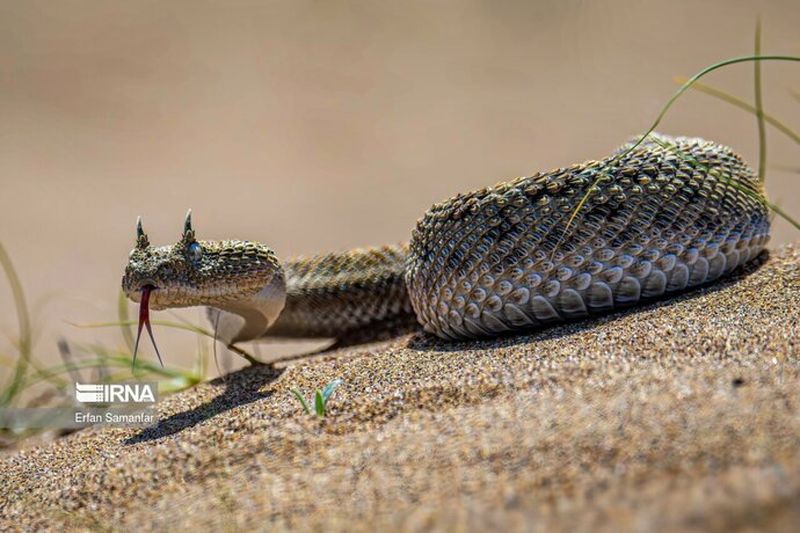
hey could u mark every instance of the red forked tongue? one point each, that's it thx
(144, 320)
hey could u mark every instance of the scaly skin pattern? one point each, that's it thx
(227, 272)
(338, 294)
(671, 214)
(658, 220)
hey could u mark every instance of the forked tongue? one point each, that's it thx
(144, 320)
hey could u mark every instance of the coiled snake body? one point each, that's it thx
(671, 214)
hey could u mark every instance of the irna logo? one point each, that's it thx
(116, 392)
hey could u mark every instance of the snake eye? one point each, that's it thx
(195, 251)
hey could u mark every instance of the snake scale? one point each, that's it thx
(653, 218)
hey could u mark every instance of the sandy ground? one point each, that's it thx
(678, 415)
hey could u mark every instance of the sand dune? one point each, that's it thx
(682, 414)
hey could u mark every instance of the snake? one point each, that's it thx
(658, 216)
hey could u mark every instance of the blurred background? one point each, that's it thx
(318, 126)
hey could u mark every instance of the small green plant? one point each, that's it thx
(321, 398)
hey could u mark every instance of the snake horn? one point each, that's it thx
(142, 241)
(187, 225)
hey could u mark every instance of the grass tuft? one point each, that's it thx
(321, 398)
(762, 132)
(681, 90)
(34, 385)
(25, 341)
(125, 321)
(741, 104)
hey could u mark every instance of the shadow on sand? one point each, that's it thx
(241, 387)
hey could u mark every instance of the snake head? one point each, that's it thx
(194, 273)
(221, 274)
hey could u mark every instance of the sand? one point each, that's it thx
(682, 414)
(316, 127)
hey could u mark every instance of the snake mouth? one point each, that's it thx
(148, 284)
(144, 321)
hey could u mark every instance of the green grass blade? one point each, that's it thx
(125, 321)
(65, 352)
(201, 361)
(788, 168)
(25, 339)
(741, 104)
(329, 388)
(762, 132)
(58, 370)
(784, 215)
(190, 324)
(773, 207)
(682, 89)
(120, 358)
(716, 66)
(302, 400)
(319, 403)
(166, 323)
(110, 361)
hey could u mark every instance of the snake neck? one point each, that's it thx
(249, 318)
(337, 294)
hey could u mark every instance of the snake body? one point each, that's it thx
(648, 220)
